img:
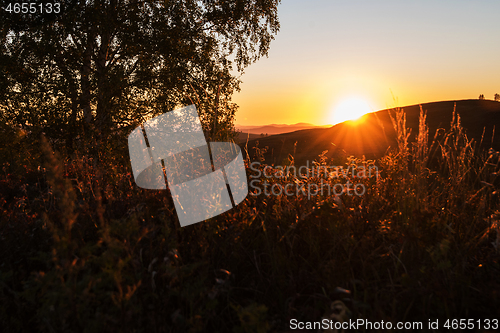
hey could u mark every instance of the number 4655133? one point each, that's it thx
(33, 8)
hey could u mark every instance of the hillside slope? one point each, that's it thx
(375, 133)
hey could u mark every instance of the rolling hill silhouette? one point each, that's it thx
(277, 128)
(255, 132)
(375, 134)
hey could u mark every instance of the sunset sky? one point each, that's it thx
(386, 52)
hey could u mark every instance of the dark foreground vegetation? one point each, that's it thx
(84, 249)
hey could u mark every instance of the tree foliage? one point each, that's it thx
(102, 66)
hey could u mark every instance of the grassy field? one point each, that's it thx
(84, 249)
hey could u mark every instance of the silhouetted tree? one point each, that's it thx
(104, 65)
(481, 96)
(497, 97)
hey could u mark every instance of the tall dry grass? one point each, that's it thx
(86, 250)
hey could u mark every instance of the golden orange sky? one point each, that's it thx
(389, 53)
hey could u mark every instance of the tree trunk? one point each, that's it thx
(102, 86)
(86, 68)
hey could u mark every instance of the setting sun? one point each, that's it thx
(349, 109)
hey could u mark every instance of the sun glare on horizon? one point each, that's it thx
(349, 109)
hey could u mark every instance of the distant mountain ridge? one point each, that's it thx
(375, 133)
(276, 128)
